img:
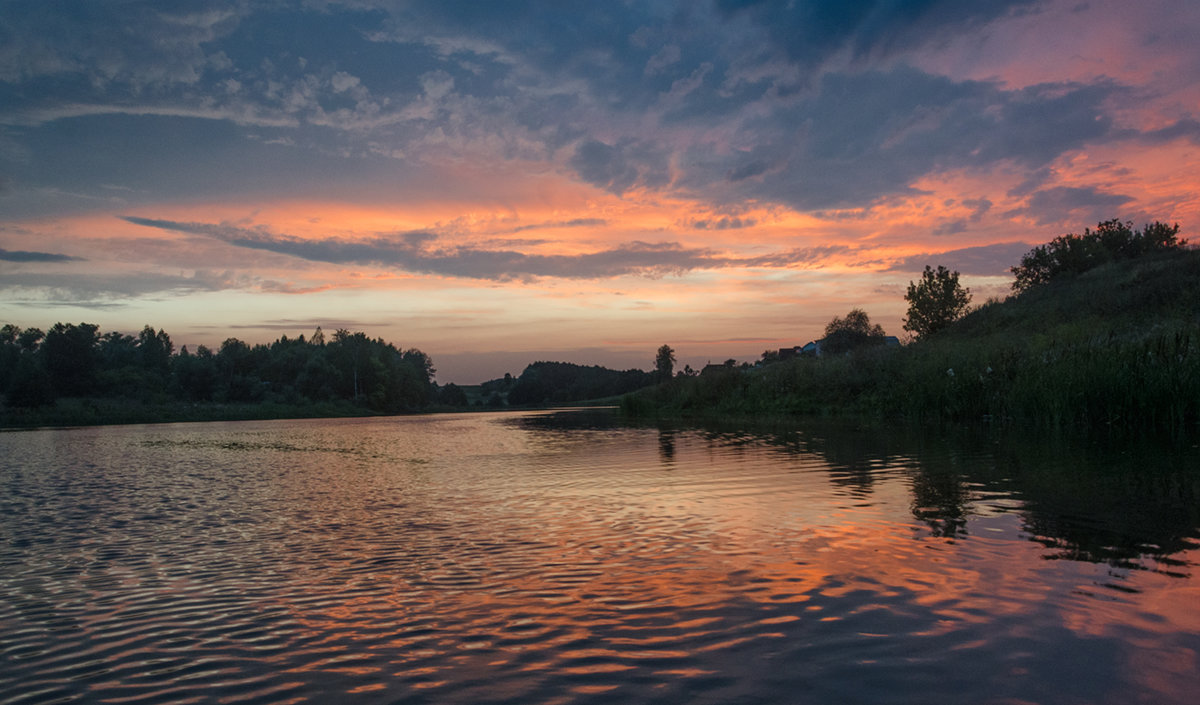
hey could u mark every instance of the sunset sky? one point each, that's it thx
(502, 182)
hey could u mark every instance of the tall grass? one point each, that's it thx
(1108, 382)
(1115, 350)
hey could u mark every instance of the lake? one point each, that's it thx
(568, 557)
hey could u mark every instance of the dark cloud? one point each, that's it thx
(864, 136)
(621, 167)
(988, 260)
(102, 289)
(813, 31)
(1083, 204)
(801, 255)
(419, 252)
(573, 223)
(979, 207)
(757, 167)
(723, 223)
(130, 45)
(1032, 182)
(21, 256)
(812, 104)
(1188, 128)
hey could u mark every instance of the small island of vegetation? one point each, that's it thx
(1101, 332)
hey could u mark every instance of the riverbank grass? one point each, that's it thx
(1116, 348)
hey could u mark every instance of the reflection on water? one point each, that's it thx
(566, 557)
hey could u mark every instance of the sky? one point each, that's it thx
(496, 183)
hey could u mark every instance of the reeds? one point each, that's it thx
(1116, 350)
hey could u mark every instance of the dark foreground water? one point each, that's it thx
(563, 558)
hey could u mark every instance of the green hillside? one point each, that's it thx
(1113, 348)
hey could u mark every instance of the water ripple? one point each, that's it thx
(491, 559)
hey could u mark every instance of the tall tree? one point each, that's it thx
(71, 352)
(155, 350)
(664, 363)
(934, 302)
(1073, 254)
(852, 332)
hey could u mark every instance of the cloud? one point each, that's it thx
(987, 260)
(21, 256)
(619, 168)
(102, 289)
(812, 105)
(1188, 128)
(572, 223)
(979, 207)
(858, 137)
(1060, 203)
(722, 223)
(135, 45)
(802, 255)
(419, 252)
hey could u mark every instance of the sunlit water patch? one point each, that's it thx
(563, 557)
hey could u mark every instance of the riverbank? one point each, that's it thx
(108, 412)
(1116, 349)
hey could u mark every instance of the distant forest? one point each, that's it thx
(70, 360)
(560, 382)
(76, 361)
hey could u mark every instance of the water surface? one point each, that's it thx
(561, 557)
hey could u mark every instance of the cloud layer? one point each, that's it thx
(422, 253)
(809, 105)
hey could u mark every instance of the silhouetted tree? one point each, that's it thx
(560, 382)
(452, 395)
(30, 385)
(30, 339)
(664, 363)
(155, 350)
(196, 376)
(75, 360)
(23, 377)
(935, 302)
(70, 356)
(10, 354)
(850, 333)
(1073, 254)
(235, 365)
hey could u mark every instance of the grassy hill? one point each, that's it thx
(1114, 348)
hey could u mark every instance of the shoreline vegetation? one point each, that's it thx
(72, 375)
(1101, 334)
(1093, 340)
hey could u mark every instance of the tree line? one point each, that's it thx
(937, 299)
(562, 382)
(1099, 334)
(76, 360)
